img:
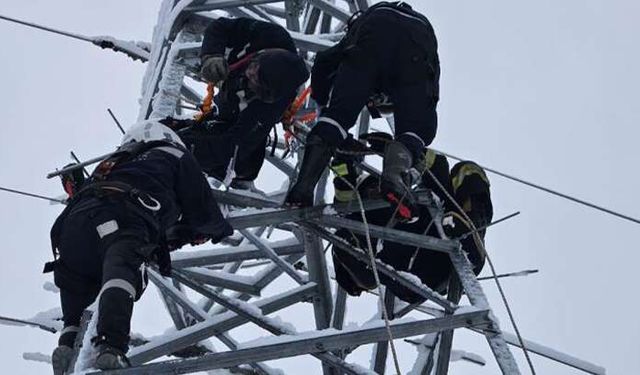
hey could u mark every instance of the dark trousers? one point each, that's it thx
(213, 150)
(389, 56)
(103, 245)
(432, 267)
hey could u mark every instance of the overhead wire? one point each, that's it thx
(474, 231)
(548, 190)
(49, 29)
(469, 223)
(33, 195)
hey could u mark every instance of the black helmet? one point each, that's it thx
(276, 73)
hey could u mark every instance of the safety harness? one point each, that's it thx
(97, 186)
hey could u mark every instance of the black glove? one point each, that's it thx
(163, 259)
(177, 124)
(377, 140)
(181, 234)
(214, 68)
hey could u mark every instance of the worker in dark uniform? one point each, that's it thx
(433, 268)
(390, 51)
(260, 75)
(116, 223)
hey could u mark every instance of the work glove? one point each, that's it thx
(177, 124)
(377, 140)
(181, 234)
(214, 68)
(163, 260)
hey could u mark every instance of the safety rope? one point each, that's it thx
(477, 240)
(481, 246)
(374, 268)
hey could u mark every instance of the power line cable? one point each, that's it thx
(49, 29)
(547, 190)
(462, 215)
(33, 195)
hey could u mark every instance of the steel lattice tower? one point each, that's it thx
(233, 300)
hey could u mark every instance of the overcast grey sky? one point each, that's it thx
(545, 90)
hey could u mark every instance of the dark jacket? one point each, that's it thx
(243, 119)
(244, 36)
(171, 175)
(406, 37)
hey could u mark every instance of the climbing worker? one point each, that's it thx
(389, 49)
(116, 223)
(260, 75)
(470, 188)
(433, 268)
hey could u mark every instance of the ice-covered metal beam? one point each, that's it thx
(381, 348)
(224, 279)
(232, 254)
(216, 324)
(292, 14)
(331, 9)
(274, 10)
(225, 4)
(282, 165)
(196, 312)
(476, 295)
(249, 312)
(271, 254)
(390, 234)
(421, 290)
(533, 347)
(243, 200)
(257, 218)
(454, 293)
(363, 4)
(260, 12)
(311, 43)
(176, 295)
(263, 278)
(316, 342)
(311, 22)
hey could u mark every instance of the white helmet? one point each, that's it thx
(149, 131)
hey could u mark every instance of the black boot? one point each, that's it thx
(317, 154)
(396, 180)
(61, 359)
(111, 358)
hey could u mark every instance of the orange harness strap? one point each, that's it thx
(207, 103)
(289, 114)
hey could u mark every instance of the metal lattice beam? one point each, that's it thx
(230, 298)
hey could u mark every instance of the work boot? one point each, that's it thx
(396, 180)
(317, 154)
(61, 359)
(111, 358)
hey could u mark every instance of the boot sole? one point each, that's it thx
(109, 362)
(61, 359)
